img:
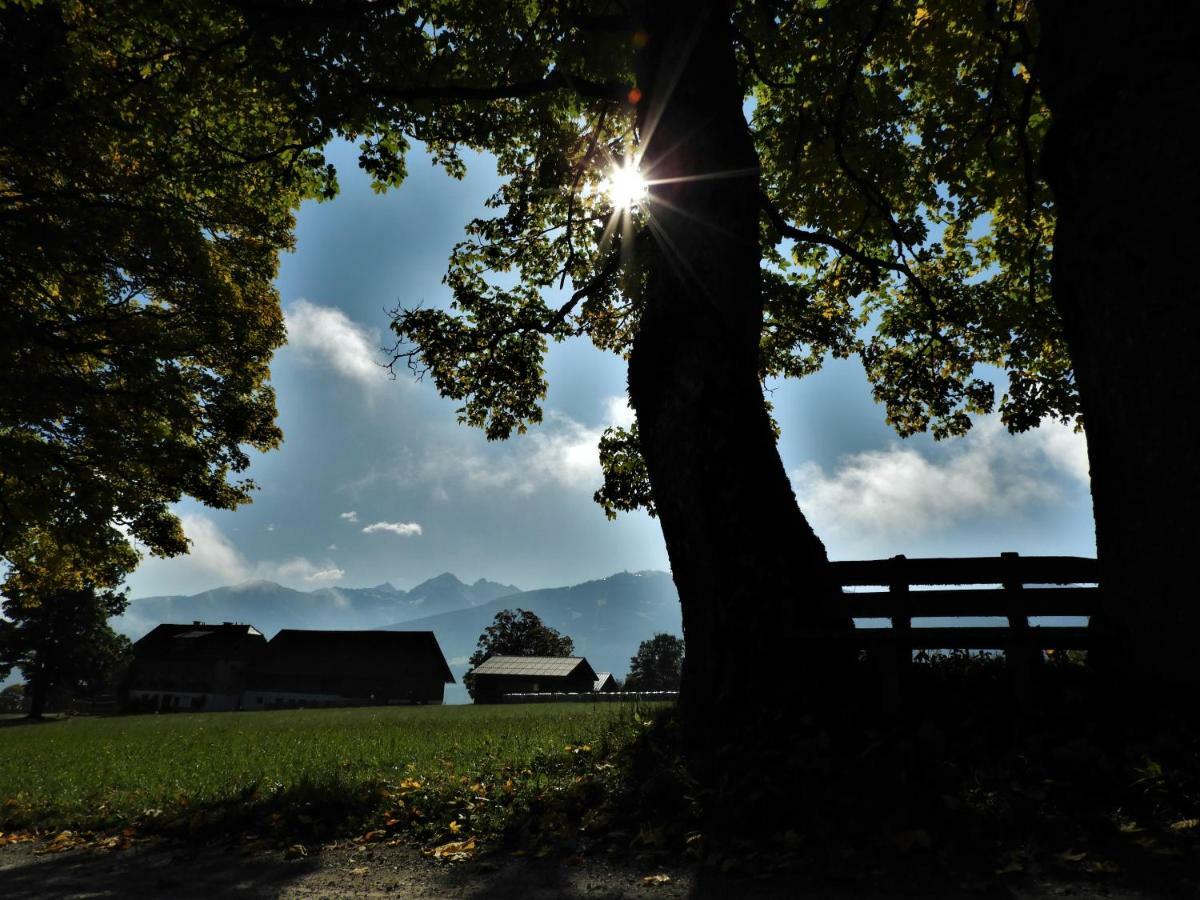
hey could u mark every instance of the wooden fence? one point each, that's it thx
(1022, 643)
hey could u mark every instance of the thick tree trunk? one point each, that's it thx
(38, 690)
(1123, 84)
(748, 567)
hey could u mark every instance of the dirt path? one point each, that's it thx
(178, 872)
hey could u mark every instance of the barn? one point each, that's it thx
(193, 667)
(348, 668)
(499, 675)
(605, 682)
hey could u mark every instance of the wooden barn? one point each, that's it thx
(499, 675)
(605, 682)
(193, 667)
(348, 668)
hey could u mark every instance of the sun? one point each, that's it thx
(625, 187)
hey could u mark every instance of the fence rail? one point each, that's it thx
(1022, 643)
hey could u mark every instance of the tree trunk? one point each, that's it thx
(748, 567)
(1123, 85)
(38, 690)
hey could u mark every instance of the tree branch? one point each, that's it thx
(555, 80)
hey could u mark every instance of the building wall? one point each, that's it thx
(490, 688)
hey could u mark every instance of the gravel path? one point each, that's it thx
(178, 872)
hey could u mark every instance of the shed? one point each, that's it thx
(193, 667)
(605, 682)
(499, 675)
(349, 668)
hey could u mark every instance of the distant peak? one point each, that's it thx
(446, 579)
(386, 586)
(255, 585)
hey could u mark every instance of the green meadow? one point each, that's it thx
(415, 769)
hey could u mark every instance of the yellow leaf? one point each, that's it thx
(1185, 824)
(455, 828)
(454, 849)
(657, 879)
(360, 870)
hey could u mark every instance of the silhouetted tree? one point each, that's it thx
(1127, 187)
(517, 632)
(55, 625)
(657, 665)
(12, 698)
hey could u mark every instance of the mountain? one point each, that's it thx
(607, 619)
(270, 607)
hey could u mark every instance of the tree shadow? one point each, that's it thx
(177, 871)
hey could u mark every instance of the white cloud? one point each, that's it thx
(333, 573)
(350, 516)
(214, 560)
(211, 552)
(404, 529)
(900, 491)
(559, 452)
(619, 412)
(324, 335)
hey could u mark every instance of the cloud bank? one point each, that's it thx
(216, 560)
(902, 491)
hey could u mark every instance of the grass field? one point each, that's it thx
(412, 768)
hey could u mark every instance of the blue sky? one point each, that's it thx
(377, 482)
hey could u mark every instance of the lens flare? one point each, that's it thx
(625, 187)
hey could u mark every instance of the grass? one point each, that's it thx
(306, 773)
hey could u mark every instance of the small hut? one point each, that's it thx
(500, 675)
(605, 683)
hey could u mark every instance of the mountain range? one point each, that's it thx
(606, 618)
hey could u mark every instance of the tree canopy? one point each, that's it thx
(657, 665)
(57, 603)
(151, 157)
(517, 632)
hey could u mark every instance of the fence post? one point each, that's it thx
(1019, 653)
(898, 662)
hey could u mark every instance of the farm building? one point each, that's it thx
(196, 666)
(499, 675)
(348, 668)
(605, 682)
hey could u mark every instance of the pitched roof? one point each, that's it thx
(536, 666)
(398, 643)
(601, 679)
(196, 638)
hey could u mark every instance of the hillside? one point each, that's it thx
(607, 619)
(270, 607)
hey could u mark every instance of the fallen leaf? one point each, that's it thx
(454, 850)
(360, 870)
(455, 828)
(1185, 824)
(1070, 856)
(657, 879)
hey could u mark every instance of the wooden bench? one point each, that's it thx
(1022, 643)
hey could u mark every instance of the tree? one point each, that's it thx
(1126, 188)
(56, 611)
(657, 665)
(846, 158)
(12, 698)
(151, 157)
(517, 632)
